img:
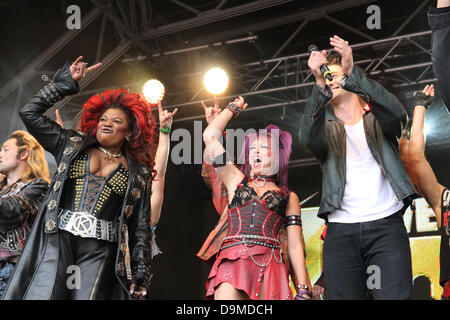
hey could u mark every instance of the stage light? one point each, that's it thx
(153, 91)
(215, 80)
(426, 129)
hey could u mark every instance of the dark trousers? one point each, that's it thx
(368, 259)
(85, 269)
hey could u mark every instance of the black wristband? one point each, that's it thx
(421, 99)
(234, 108)
(294, 221)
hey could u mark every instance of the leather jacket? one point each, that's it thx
(19, 204)
(439, 19)
(324, 135)
(35, 273)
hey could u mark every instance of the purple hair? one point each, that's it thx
(284, 152)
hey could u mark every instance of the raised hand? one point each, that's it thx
(425, 97)
(315, 61)
(429, 90)
(211, 112)
(79, 69)
(165, 117)
(342, 47)
(240, 103)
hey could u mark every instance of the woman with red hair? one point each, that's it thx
(93, 237)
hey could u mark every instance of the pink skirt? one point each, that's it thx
(234, 266)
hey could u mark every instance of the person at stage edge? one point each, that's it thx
(24, 179)
(421, 173)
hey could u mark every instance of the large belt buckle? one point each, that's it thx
(83, 224)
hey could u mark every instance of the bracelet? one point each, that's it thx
(300, 294)
(165, 130)
(234, 108)
(302, 287)
(294, 220)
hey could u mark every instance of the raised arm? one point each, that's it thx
(421, 170)
(439, 19)
(387, 109)
(312, 124)
(209, 175)
(161, 157)
(215, 152)
(65, 82)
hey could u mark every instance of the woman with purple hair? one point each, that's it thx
(249, 264)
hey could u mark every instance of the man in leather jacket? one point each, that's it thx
(23, 183)
(352, 124)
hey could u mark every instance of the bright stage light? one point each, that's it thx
(216, 80)
(426, 129)
(153, 91)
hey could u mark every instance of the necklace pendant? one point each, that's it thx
(108, 158)
(259, 182)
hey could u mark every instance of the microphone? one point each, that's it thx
(323, 68)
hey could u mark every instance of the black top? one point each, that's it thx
(102, 197)
(273, 200)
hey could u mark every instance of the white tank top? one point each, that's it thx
(368, 195)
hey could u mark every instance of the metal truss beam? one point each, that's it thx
(185, 6)
(310, 15)
(30, 70)
(211, 16)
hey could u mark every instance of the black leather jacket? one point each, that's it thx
(439, 19)
(19, 204)
(35, 273)
(322, 132)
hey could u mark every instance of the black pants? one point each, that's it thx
(85, 269)
(368, 259)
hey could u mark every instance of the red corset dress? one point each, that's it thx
(250, 255)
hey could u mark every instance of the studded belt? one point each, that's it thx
(252, 239)
(85, 225)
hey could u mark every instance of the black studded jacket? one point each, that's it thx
(34, 274)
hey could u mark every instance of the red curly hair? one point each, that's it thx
(140, 121)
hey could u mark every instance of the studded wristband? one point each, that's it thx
(234, 108)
